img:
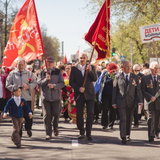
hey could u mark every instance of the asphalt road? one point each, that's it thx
(106, 144)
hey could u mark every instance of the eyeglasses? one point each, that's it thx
(137, 70)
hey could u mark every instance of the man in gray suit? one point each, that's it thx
(125, 89)
(151, 86)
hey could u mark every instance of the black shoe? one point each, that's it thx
(56, 132)
(89, 138)
(128, 138)
(157, 136)
(20, 133)
(29, 132)
(95, 121)
(124, 140)
(136, 126)
(81, 137)
(151, 139)
(104, 127)
(18, 145)
(48, 137)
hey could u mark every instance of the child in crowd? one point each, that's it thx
(17, 106)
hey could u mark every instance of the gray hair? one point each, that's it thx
(20, 59)
(153, 64)
(136, 66)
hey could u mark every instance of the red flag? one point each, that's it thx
(64, 60)
(99, 33)
(25, 39)
(77, 53)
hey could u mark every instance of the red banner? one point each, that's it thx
(99, 33)
(25, 37)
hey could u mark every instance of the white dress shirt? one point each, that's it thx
(126, 75)
(82, 68)
(17, 100)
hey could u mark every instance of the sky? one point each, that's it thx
(68, 20)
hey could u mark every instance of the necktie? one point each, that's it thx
(154, 80)
(127, 81)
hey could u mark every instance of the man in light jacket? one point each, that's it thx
(24, 79)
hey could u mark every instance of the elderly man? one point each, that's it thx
(125, 90)
(150, 88)
(137, 116)
(84, 94)
(51, 81)
(24, 79)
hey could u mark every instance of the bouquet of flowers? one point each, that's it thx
(156, 96)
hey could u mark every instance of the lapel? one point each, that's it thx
(158, 83)
(79, 70)
(130, 79)
(122, 83)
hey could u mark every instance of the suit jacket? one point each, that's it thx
(17, 111)
(76, 81)
(149, 89)
(124, 95)
(51, 94)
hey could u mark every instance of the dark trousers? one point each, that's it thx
(17, 125)
(81, 102)
(136, 116)
(105, 114)
(126, 116)
(108, 114)
(97, 110)
(112, 116)
(153, 122)
(51, 113)
(2, 104)
(28, 121)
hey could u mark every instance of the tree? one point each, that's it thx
(130, 15)
(8, 9)
(51, 45)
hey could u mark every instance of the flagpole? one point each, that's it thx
(39, 31)
(85, 77)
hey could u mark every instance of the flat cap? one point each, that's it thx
(50, 59)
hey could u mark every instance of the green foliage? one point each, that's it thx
(125, 35)
(51, 45)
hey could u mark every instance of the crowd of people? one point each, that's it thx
(102, 93)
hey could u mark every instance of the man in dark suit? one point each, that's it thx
(125, 89)
(150, 86)
(84, 94)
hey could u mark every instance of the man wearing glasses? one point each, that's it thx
(84, 94)
(137, 116)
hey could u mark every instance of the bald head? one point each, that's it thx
(83, 58)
